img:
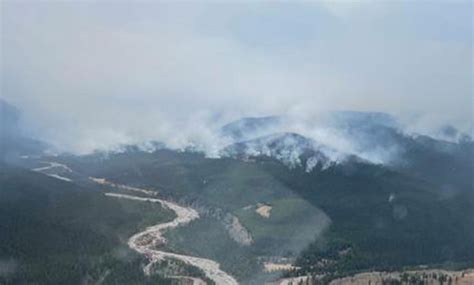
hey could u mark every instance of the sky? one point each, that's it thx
(91, 74)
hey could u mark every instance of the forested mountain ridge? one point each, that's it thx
(301, 203)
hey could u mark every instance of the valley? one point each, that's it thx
(146, 241)
(279, 209)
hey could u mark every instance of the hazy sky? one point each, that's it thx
(88, 74)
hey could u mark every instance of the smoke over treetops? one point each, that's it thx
(91, 76)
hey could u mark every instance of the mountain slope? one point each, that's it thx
(54, 232)
(384, 217)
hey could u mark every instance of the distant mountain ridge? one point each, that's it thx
(371, 136)
(328, 139)
(290, 148)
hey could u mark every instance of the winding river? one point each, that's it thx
(146, 242)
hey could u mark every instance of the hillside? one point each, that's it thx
(381, 217)
(55, 232)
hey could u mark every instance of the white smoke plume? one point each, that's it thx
(98, 75)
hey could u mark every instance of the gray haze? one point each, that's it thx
(91, 75)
